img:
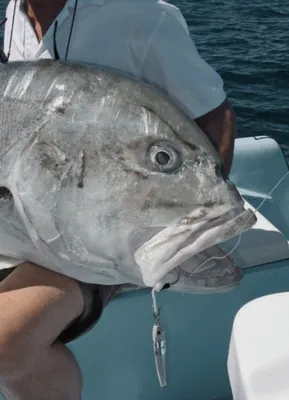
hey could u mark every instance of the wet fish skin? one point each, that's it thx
(91, 156)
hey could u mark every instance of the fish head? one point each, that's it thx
(113, 157)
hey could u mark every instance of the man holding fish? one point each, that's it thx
(171, 199)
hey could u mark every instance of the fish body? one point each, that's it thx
(103, 178)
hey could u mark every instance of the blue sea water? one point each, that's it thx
(247, 42)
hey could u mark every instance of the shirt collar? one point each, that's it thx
(67, 10)
(71, 3)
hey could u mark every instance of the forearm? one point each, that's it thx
(220, 126)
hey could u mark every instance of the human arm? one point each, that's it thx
(220, 126)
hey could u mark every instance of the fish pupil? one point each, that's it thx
(5, 193)
(162, 158)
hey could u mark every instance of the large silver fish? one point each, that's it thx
(106, 180)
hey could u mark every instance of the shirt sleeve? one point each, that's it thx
(173, 63)
(7, 262)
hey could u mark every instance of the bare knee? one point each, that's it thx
(17, 355)
(36, 305)
(55, 371)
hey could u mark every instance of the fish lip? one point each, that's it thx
(238, 213)
(142, 234)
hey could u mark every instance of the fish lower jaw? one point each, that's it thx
(191, 289)
(221, 277)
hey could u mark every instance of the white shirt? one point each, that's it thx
(148, 38)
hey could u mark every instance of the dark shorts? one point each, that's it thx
(96, 297)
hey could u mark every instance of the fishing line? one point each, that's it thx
(71, 29)
(56, 54)
(240, 236)
(3, 57)
(3, 22)
(12, 29)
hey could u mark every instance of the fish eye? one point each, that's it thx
(164, 157)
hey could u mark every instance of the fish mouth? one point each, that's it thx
(173, 246)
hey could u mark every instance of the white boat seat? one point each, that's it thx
(258, 360)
